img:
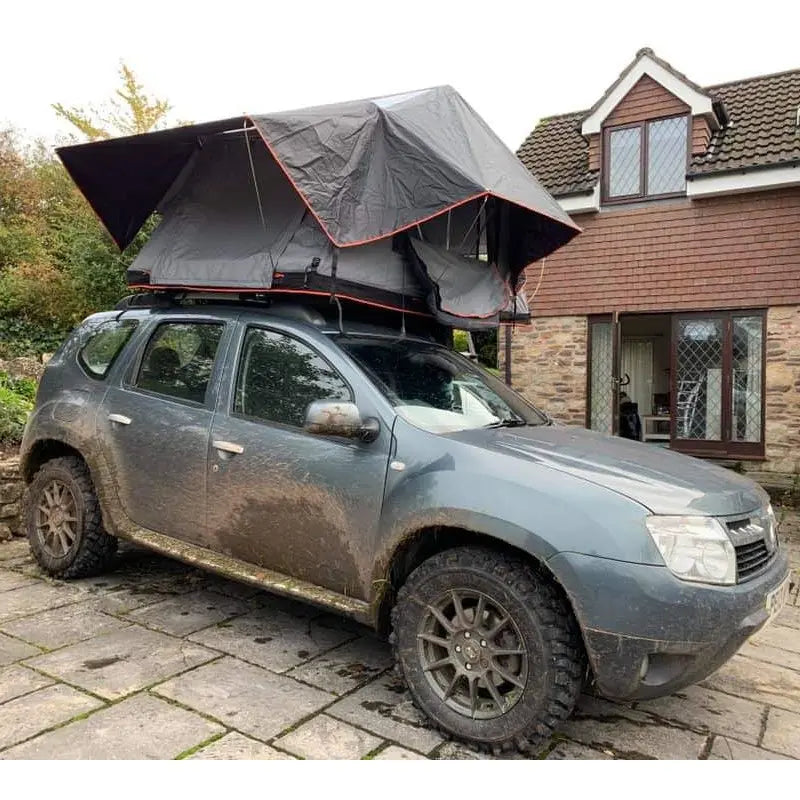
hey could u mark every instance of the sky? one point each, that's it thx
(514, 62)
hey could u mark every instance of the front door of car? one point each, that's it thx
(154, 428)
(301, 504)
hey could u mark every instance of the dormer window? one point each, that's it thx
(646, 159)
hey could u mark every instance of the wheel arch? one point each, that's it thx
(421, 544)
(42, 451)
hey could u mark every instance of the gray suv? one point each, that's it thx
(373, 471)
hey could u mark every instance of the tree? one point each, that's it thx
(57, 263)
(130, 111)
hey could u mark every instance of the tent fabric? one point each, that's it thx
(400, 200)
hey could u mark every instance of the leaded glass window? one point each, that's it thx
(646, 159)
(666, 155)
(625, 161)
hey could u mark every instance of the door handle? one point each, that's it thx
(228, 447)
(120, 418)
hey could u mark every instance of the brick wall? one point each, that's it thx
(10, 496)
(646, 100)
(548, 359)
(739, 251)
(701, 135)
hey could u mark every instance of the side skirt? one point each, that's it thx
(233, 568)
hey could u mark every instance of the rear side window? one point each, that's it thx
(98, 355)
(179, 358)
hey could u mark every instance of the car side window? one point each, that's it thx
(179, 358)
(99, 353)
(279, 376)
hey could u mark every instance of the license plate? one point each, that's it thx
(776, 599)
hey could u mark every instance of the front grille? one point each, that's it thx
(750, 558)
(749, 538)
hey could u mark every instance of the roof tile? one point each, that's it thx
(761, 131)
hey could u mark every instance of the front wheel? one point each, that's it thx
(489, 648)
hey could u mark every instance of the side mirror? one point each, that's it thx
(336, 418)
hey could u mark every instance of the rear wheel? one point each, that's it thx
(489, 649)
(63, 521)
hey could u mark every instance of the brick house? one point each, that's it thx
(683, 291)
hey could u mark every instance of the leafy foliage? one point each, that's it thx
(57, 263)
(16, 403)
(129, 112)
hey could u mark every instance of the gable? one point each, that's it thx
(647, 100)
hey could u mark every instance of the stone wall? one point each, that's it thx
(782, 400)
(10, 497)
(548, 365)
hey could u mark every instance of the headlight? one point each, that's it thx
(771, 529)
(694, 548)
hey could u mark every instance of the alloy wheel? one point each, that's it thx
(473, 654)
(57, 519)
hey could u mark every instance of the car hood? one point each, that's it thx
(663, 481)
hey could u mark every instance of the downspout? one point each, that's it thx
(507, 357)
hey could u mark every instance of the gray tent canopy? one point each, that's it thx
(408, 201)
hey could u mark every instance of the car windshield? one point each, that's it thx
(436, 389)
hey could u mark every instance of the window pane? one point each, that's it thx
(279, 377)
(601, 377)
(746, 383)
(624, 162)
(666, 155)
(100, 352)
(179, 359)
(699, 379)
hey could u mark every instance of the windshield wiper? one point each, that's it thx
(507, 423)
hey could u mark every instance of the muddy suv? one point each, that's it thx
(381, 475)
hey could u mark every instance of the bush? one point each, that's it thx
(16, 403)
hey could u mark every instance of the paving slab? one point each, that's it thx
(395, 753)
(455, 751)
(16, 548)
(122, 662)
(37, 597)
(235, 747)
(123, 599)
(780, 636)
(188, 613)
(772, 655)
(783, 732)
(573, 751)
(789, 617)
(758, 681)
(634, 738)
(384, 708)
(324, 737)
(33, 713)
(707, 711)
(275, 640)
(348, 666)
(12, 650)
(62, 626)
(141, 727)
(252, 700)
(17, 680)
(13, 580)
(725, 749)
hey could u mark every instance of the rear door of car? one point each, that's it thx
(302, 504)
(154, 423)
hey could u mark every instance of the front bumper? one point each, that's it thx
(648, 634)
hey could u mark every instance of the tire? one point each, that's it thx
(64, 486)
(539, 651)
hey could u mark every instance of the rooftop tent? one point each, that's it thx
(408, 201)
